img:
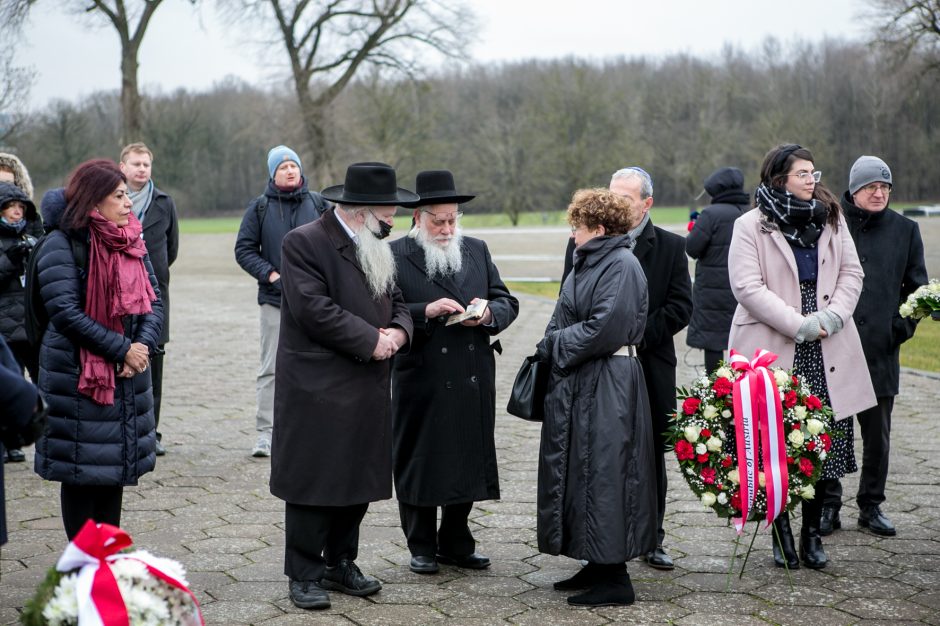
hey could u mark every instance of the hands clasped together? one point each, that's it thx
(390, 341)
(136, 361)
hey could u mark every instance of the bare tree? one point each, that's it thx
(130, 19)
(15, 85)
(912, 25)
(329, 41)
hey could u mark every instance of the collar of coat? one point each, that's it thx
(340, 240)
(645, 241)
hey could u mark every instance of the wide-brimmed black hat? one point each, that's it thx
(369, 184)
(437, 187)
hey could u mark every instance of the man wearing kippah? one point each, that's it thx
(285, 204)
(891, 252)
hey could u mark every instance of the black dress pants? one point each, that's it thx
(80, 503)
(876, 445)
(712, 359)
(317, 536)
(424, 539)
(156, 377)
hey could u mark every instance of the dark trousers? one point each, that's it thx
(317, 536)
(712, 359)
(27, 357)
(80, 503)
(424, 539)
(156, 377)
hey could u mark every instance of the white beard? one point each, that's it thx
(376, 259)
(440, 260)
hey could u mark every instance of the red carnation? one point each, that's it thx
(684, 450)
(736, 500)
(796, 426)
(690, 406)
(789, 460)
(726, 462)
(796, 381)
(708, 475)
(789, 399)
(811, 446)
(827, 441)
(702, 458)
(705, 433)
(806, 466)
(722, 386)
(813, 403)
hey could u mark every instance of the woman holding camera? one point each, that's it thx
(20, 227)
(104, 323)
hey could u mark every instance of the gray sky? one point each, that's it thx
(192, 48)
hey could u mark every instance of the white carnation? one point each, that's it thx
(726, 413)
(722, 498)
(700, 448)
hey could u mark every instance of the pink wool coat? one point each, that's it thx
(765, 282)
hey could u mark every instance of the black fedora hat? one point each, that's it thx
(437, 187)
(371, 184)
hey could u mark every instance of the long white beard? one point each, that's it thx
(376, 259)
(440, 260)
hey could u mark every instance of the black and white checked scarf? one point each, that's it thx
(799, 221)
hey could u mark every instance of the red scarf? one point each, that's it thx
(118, 285)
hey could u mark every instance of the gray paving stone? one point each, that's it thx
(391, 615)
(883, 608)
(803, 615)
(470, 605)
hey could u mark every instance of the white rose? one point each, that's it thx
(724, 372)
(796, 438)
(708, 499)
(733, 476)
(934, 286)
(814, 426)
(722, 498)
(781, 377)
(726, 413)
(700, 448)
(709, 412)
(799, 412)
(691, 433)
(713, 444)
(808, 492)
(906, 310)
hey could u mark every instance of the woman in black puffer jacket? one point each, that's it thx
(713, 304)
(104, 322)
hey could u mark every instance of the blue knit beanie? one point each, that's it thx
(278, 155)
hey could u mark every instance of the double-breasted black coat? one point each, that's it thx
(444, 388)
(332, 438)
(596, 476)
(891, 252)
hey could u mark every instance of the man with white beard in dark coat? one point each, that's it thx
(342, 320)
(891, 252)
(443, 390)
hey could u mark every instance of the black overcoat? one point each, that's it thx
(891, 252)
(332, 438)
(162, 236)
(596, 476)
(444, 388)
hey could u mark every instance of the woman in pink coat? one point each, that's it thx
(797, 278)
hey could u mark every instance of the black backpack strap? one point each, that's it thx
(260, 209)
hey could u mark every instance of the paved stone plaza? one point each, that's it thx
(207, 505)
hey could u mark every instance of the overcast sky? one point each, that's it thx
(193, 48)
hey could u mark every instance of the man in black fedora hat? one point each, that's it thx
(342, 319)
(443, 399)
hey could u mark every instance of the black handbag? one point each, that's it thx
(527, 398)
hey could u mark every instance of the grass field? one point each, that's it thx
(921, 352)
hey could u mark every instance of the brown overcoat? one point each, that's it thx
(332, 439)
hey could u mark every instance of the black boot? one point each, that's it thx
(784, 546)
(587, 576)
(615, 589)
(811, 547)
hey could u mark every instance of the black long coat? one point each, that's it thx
(596, 477)
(332, 438)
(891, 252)
(444, 389)
(85, 443)
(162, 236)
(713, 303)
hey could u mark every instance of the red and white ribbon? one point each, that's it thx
(92, 551)
(758, 423)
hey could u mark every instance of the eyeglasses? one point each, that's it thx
(441, 222)
(876, 187)
(805, 176)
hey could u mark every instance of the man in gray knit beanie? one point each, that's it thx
(891, 252)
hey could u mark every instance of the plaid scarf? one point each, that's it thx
(799, 221)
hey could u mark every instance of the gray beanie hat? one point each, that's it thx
(866, 170)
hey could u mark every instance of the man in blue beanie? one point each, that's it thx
(285, 204)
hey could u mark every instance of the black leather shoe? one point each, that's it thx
(873, 519)
(613, 591)
(829, 520)
(15, 455)
(587, 576)
(346, 577)
(811, 548)
(471, 561)
(659, 559)
(306, 594)
(161, 451)
(424, 565)
(783, 544)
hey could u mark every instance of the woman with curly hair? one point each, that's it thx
(596, 477)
